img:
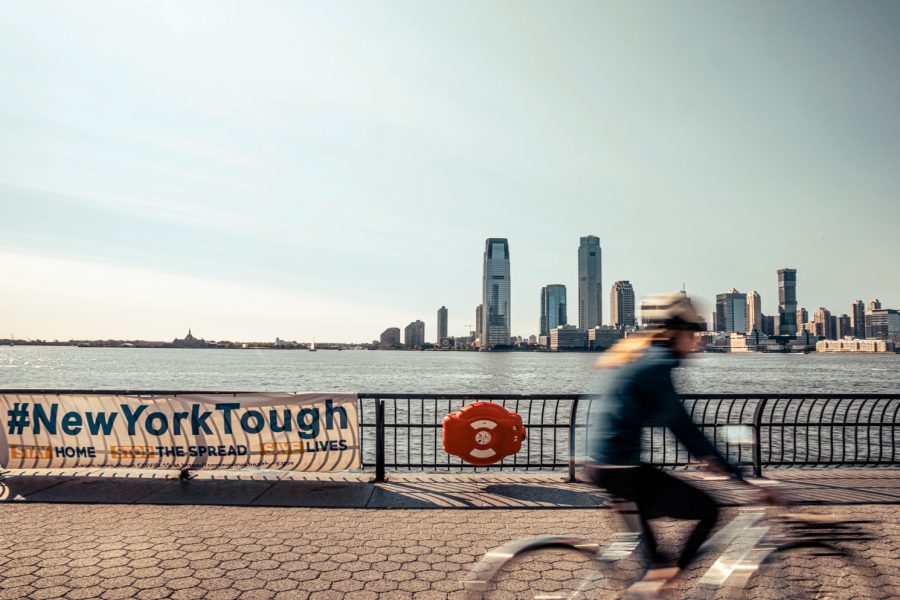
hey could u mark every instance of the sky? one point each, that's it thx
(330, 169)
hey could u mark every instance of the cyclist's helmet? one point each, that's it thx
(670, 311)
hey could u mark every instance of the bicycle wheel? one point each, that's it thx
(808, 558)
(552, 568)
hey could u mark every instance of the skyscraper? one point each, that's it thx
(553, 308)
(590, 295)
(802, 318)
(495, 295)
(621, 305)
(787, 301)
(858, 319)
(441, 324)
(844, 327)
(479, 311)
(822, 317)
(414, 335)
(874, 304)
(731, 312)
(754, 312)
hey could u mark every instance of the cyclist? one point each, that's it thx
(640, 393)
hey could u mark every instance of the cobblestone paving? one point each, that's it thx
(182, 552)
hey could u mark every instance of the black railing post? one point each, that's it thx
(573, 415)
(757, 438)
(379, 440)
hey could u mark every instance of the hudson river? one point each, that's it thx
(422, 372)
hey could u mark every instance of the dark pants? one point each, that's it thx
(658, 494)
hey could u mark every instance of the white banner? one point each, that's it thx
(296, 432)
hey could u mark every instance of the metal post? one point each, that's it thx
(379, 440)
(573, 414)
(757, 437)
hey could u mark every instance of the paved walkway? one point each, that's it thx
(92, 537)
(547, 490)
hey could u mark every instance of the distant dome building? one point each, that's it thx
(189, 341)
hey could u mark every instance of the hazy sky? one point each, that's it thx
(330, 169)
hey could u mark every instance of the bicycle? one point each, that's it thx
(744, 551)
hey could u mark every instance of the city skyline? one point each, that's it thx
(160, 168)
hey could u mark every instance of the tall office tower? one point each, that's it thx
(874, 304)
(802, 318)
(754, 311)
(844, 327)
(787, 301)
(553, 308)
(590, 294)
(479, 311)
(621, 305)
(858, 319)
(822, 318)
(495, 326)
(414, 335)
(441, 324)
(731, 312)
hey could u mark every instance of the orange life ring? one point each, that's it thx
(483, 433)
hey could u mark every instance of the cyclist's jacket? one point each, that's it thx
(642, 394)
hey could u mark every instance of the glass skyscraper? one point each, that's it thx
(495, 324)
(553, 307)
(590, 295)
(731, 312)
(787, 302)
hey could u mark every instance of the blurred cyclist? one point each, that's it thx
(641, 394)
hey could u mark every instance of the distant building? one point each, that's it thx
(874, 305)
(533, 340)
(495, 326)
(787, 301)
(189, 341)
(621, 305)
(553, 308)
(858, 319)
(844, 327)
(883, 324)
(604, 336)
(822, 319)
(855, 345)
(414, 335)
(768, 327)
(568, 337)
(390, 338)
(441, 325)
(731, 312)
(754, 312)
(802, 318)
(479, 311)
(590, 283)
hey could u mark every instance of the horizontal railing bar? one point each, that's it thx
(473, 396)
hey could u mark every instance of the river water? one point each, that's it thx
(421, 372)
(501, 373)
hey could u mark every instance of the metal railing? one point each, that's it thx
(787, 430)
(403, 431)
